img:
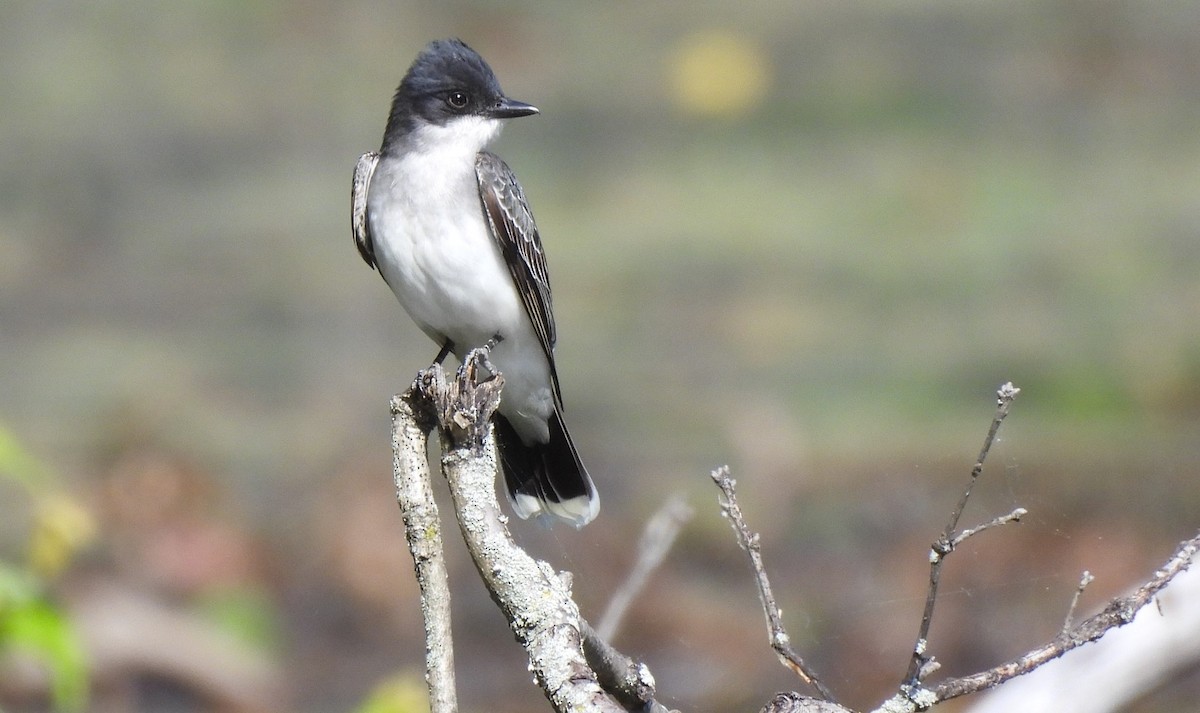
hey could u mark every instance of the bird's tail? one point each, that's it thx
(546, 478)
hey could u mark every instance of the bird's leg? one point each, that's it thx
(447, 347)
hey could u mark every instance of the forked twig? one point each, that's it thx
(949, 539)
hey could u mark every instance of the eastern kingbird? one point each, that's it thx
(448, 227)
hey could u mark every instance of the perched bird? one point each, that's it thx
(447, 226)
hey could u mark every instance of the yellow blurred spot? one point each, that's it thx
(719, 73)
(61, 527)
(403, 693)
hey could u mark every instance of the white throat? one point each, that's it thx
(457, 141)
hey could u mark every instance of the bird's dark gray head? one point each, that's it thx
(447, 81)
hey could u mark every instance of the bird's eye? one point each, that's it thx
(457, 100)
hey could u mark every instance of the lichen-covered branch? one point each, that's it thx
(411, 424)
(535, 599)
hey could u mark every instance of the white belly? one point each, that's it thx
(434, 249)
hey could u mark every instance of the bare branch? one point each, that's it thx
(1161, 644)
(576, 668)
(920, 660)
(749, 542)
(1120, 611)
(535, 599)
(659, 534)
(411, 424)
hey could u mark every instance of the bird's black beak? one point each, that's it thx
(510, 109)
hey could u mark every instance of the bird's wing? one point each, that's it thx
(515, 232)
(359, 224)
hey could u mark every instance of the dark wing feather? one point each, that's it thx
(513, 229)
(359, 224)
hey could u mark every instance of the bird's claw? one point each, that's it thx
(481, 357)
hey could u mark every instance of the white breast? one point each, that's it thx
(434, 247)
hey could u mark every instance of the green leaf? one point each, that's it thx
(38, 628)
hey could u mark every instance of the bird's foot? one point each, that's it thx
(472, 400)
(481, 357)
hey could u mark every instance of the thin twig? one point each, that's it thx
(1014, 516)
(411, 424)
(749, 542)
(1004, 398)
(1084, 581)
(945, 544)
(657, 537)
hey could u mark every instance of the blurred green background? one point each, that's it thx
(805, 239)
